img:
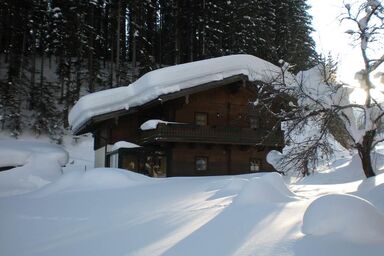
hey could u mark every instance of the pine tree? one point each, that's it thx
(100, 44)
(293, 41)
(14, 83)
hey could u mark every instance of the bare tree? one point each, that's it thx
(368, 21)
(320, 102)
(310, 105)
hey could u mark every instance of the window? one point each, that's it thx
(254, 122)
(201, 119)
(201, 163)
(114, 160)
(255, 165)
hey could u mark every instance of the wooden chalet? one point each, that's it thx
(212, 129)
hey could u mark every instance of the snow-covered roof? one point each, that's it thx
(124, 144)
(168, 80)
(153, 123)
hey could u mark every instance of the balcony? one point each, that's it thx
(215, 135)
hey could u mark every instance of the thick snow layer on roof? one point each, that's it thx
(153, 123)
(124, 144)
(169, 80)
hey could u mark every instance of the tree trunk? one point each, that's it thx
(118, 23)
(177, 34)
(364, 150)
(111, 68)
(41, 75)
(32, 98)
(61, 76)
(91, 78)
(204, 30)
(68, 92)
(123, 34)
(22, 55)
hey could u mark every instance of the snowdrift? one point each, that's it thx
(91, 180)
(39, 164)
(262, 190)
(344, 216)
(19, 152)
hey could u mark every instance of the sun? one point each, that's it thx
(358, 96)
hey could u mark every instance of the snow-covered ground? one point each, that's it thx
(39, 162)
(84, 211)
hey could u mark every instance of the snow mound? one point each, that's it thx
(349, 217)
(259, 190)
(276, 180)
(41, 164)
(233, 187)
(371, 183)
(372, 189)
(341, 171)
(273, 158)
(101, 178)
(375, 196)
(81, 154)
(16, 153)
(94, 179)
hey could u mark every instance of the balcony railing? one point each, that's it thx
(206, 134)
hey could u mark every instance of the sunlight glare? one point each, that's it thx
(358, 96)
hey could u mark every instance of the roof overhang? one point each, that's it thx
(92, 122)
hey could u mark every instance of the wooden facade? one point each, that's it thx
(215, 130)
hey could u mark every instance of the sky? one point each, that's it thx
(331, 38)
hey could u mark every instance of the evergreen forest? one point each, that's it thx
(54, 51)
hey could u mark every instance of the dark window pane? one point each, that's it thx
(254, 122)
(201, 163)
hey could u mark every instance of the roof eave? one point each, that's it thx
(89, 124)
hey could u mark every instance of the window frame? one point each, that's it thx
(205, 114)
(254, 120)
(206, 158)
(255, 162)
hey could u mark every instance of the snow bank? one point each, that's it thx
(94, 179)
(345, 216)
(175, 216)
(371, 183)
(41, 164)
(81, 154)
(341, 171)
(261, 190)
(233, 187)
(168, 80)
(372, 189)
(375, 195)
(16, 152)
(276, 180)
(273, 158)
